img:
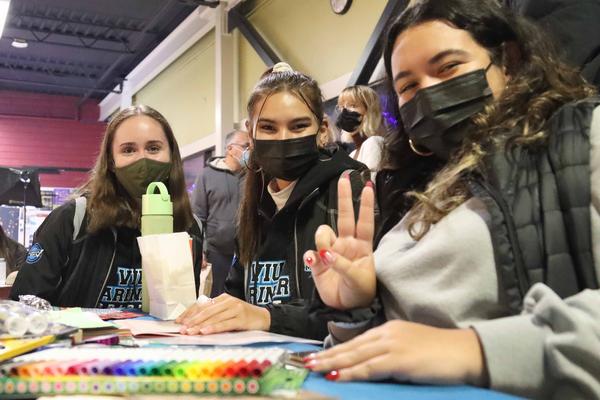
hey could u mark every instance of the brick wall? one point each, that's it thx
(46, 131)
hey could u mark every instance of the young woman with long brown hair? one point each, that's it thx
(484, 279)
(101, 266)
(290, 189)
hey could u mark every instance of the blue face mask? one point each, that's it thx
(244, 160)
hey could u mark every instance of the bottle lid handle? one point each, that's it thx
(164, 192)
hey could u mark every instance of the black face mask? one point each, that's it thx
(287, 159)
(348, 120)
(439, 117)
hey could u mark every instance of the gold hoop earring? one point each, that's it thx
(418, 152)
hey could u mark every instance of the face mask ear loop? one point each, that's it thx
(489, 66)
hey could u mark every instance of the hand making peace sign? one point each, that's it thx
(343, 268)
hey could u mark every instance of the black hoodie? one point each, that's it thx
(278, 278)
(73, 273)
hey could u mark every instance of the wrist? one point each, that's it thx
(472, 358)
(262, 320)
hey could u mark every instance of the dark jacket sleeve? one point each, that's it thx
(196, 234)
(234, 284)
(42, 271)
(301, 318)
(309, 317)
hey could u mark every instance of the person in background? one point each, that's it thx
(101, 266)
(290, 189)
(12, 251)
(359, 119)
(215, 201)
(328, 140)
(492, 277)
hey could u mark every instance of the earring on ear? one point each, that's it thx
(413, 147)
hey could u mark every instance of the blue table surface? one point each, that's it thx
(378, 390)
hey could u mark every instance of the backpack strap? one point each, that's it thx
(80, 205)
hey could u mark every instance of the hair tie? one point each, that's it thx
(282, 67)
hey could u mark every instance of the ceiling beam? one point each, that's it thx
(205, 3)
(237, 19)
(82, 89)
(47, 70)
(166, 5)
(75, 46)
(68, 32)
(81, 21)
(372, 52)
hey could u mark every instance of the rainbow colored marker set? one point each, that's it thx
(115, 370)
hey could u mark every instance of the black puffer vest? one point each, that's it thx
(539, 201)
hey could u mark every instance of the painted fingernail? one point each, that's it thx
(369, 184)
(309, 261)
(309, 357)
(346, 175)
(333, 375)
(310, 364)
(327, 256)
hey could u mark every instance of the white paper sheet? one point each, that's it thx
(168, 332)
(148, 327)
(229, 339)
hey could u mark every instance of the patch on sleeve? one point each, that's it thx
(35, 253)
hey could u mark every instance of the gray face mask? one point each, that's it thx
(439, 117)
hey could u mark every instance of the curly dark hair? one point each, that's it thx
(539, 84)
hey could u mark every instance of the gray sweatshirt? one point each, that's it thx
(448, 279)
(215, 201)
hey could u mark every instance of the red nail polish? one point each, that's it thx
(326, 256)
(333, 375)
(369, 184)
(309, 261)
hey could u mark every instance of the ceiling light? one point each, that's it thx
(19, 43)
(4, 4)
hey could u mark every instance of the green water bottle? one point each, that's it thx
(157, 218)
